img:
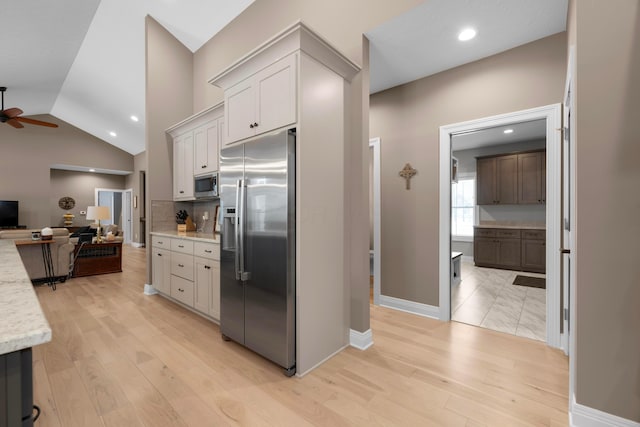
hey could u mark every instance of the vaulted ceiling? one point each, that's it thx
(82, 61)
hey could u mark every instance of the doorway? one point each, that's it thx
(120, 203)
(552, 117)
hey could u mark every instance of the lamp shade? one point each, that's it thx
(98, 212)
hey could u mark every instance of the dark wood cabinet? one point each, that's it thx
(511, 249)
(497, 179)
(511, 179)
(97, 258)
(533, 251)
(531, 178)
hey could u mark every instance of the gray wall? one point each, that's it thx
(81, 186)
(133, 181)
(407, 119)
(169, 67)
(27, 153)
(607, 130)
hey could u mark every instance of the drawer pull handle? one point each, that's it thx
(207, 251)
(181, 192)
(181, 246)
(181, 290)
(159, 254)
(180, 265)
(251, 126)
(203, 166)
(207, 267)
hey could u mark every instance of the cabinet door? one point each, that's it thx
(509, 252)
(486, 181)
(275, 88)
(202, 284)
(214, 291)
(161, 270)
(507, 179)
(239, 106)
(183, 167)
(530, 178)
(205, 141)
(533, 255)
(485, 251)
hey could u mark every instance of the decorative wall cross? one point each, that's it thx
(407, 173)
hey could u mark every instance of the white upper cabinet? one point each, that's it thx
(196, 148)
(206, 142)
(183, 167)
(262, 102)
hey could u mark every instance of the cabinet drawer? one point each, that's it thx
(182, 246)
(533, 234)
(161, 242)
(182, 290)
(206, 250)
(182, 265)
(485, 232)
(509, 234)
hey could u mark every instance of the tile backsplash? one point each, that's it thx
(163, 214)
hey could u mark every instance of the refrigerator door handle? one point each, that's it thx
(243, 211)
(237, 230)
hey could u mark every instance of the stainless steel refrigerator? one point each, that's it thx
(257, 257)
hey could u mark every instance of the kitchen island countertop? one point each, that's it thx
(22, 322)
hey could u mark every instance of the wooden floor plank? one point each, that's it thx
(122, 358)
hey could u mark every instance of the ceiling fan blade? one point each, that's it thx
(12, 112)
(36, 122)
(15, 123)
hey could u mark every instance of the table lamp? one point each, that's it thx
(98, 213)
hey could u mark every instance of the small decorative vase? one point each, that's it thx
(68, 219)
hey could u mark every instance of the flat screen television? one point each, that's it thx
(8, 213)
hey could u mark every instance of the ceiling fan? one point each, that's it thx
(11, 116)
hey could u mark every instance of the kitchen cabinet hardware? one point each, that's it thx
(180, 265)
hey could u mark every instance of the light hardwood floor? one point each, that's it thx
(120, 358)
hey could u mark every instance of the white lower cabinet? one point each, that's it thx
(188, 273)
(161, 272)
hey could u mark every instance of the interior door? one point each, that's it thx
(566, 249)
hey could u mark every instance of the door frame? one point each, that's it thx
(125, 220)
(374, 143)
(553, 116)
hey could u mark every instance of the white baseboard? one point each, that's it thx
(412, 307)
(584, 416)
(361, 340)
(302, 374)
(149, 289)
(137, 245)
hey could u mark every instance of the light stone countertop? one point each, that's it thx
(189, 235)
(22, 322)
(509, 225)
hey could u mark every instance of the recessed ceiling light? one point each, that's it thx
(508, 131)
(134, 118)
(92, 170)
(466, 34)
(112, 133)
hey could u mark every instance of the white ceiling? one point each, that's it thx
(525, 131)
(83, 60)
(423, 41)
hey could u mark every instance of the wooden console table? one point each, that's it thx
(97, 258)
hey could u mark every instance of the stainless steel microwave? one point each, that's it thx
(206, 186)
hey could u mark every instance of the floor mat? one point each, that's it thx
(534, 282)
